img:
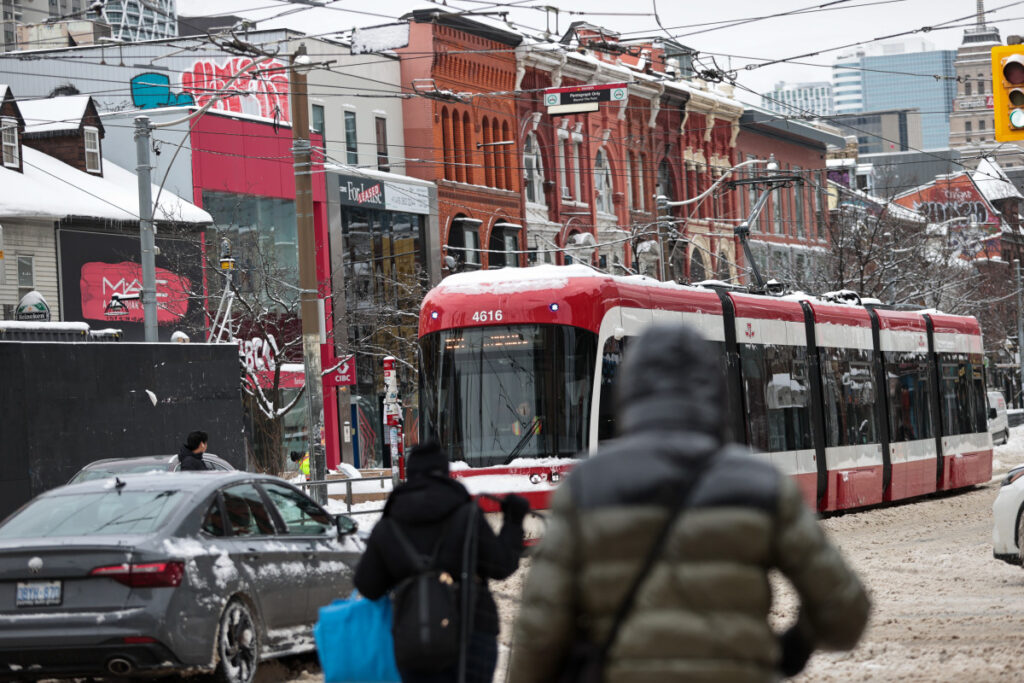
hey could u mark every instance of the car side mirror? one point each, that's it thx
(346, 525)
(991, 413)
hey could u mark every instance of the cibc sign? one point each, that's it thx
(342, 376)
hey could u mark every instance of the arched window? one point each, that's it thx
(666, 188)
(458, 153)
(533, 170)
(697, 271)
(467, 146)
(602, 182)
(510, 156)
(446, 144)
(498, 157)
(488, 149)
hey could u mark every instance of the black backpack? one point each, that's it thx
(427, 611)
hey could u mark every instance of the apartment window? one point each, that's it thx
(563, 167)
(318, 119)
(533, 170)
(602, 182)
(351, 145)
(11, 153)
(967, 88)
(93, 160)
(26, 275)
(967, 130)
(981, 126)
(981, 84)
(471, 240)
(777, 213)
(752, 195)
(381, 124)
(629, 180)
(798, 205)
(577, 171)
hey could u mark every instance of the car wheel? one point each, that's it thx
(238, 645)
(1006, 436)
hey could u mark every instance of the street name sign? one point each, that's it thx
(583, 98)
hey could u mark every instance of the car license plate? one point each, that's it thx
(36, 593)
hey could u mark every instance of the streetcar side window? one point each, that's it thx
(849, 396)
(980, 407)
(909, 381)
(776, 396)
(956, 394)
(611, 358)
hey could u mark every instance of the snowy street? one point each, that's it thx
(944, 608)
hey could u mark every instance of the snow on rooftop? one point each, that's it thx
(53, 114)
(992, 182)
(49, 188)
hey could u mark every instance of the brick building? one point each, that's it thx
(591, 178)
(464, 139)
(790, 238)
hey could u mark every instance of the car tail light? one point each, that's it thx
(151, 575)
(138, 640)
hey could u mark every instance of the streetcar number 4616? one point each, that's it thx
(487, 316)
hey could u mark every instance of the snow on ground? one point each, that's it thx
(943, 608)
(1009, 454)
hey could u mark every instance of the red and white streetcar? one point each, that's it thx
(859, 404)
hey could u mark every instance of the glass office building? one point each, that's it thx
(903, 81)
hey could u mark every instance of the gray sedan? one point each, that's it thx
(157, 573)
(113, 467)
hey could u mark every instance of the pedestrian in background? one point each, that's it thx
(432, 511)
(302, 460)
(654, 566)
(191, 454)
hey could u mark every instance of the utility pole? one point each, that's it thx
(147, 231)
(1020, 333)
(303, 160)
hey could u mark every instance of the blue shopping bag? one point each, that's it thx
(353, 641)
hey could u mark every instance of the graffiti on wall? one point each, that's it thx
(949, 199)
(262, 92)
(152, 90)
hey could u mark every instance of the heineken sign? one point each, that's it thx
(583, 98)
(33, 307)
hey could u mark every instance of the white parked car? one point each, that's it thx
(1008, 517)
(998, 427)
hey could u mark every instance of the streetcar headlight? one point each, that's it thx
(1012, 476)
(553, 307)
(434, 315)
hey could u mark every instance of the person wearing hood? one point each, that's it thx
(191, 454)
(701, 611)
(427, 506)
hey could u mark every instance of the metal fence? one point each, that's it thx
(347, 483)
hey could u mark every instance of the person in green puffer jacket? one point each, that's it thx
(701, 614)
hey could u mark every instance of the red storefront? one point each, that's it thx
(243, 175)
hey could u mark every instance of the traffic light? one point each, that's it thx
(1008, 91)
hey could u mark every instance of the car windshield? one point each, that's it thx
(496, 393)
(111, 469)
(93, 513)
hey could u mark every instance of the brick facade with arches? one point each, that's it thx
(451, 129)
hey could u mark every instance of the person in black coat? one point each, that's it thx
(191, 454)
(428, 504)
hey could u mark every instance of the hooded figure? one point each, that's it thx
(701, 614)
(428, 505)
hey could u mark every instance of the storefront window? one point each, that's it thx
(385, 280)
(263, 236)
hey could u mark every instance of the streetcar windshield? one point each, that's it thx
(494, 394)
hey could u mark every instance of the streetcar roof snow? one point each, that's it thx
(515, 280)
